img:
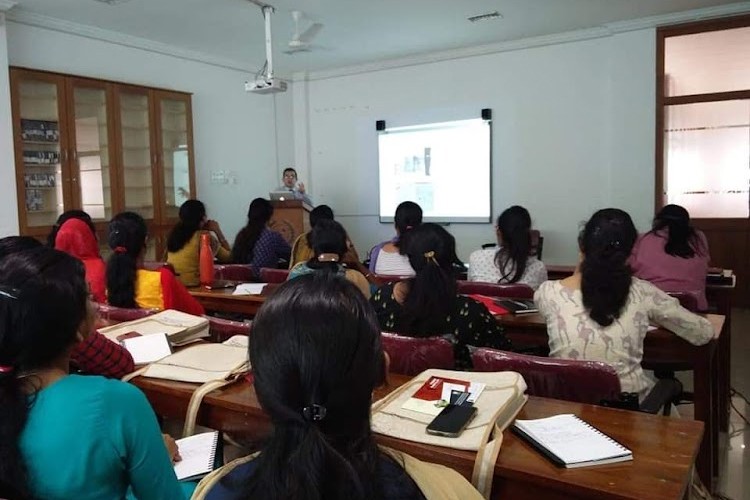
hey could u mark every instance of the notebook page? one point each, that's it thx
(249, 289)
(571, 439)
(198, 454)
(148, 349)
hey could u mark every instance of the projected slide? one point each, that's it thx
(444, 167)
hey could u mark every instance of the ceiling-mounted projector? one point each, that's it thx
(266, 86)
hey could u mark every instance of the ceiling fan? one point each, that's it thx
(302, 42)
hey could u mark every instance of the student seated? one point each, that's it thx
(95, 354)
(77, 237)
(68, 436)
(602, 312)
(317, 357)
(66, 216)
(673, 255)
(256, 244)
(429, 304)
(330, 254)
(131, 286)
(514, 259)
(388, 258)
(184, 241)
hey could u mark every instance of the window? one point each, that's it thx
(703, 118)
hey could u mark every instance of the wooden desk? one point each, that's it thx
(222, 300)
(660, 344)
(664, 449)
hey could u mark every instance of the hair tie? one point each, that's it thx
(409, 227)
(615, 244)
(6, 369)
(120, 250)
(314, 413)
(9, 293)
(328, 257)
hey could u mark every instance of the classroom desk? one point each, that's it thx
(720, 301)
(664, 449)
(660, 344)
(222, 300)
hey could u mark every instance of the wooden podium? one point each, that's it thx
(290, 218)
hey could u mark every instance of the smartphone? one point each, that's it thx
(452, 421)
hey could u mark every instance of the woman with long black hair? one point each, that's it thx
(317, 358)
(256, 244)
(68, 436)
(183, 242)
(602, 312)
(673, 255)
(514, 259)
(429, 304)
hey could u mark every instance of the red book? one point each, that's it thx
(489, 302)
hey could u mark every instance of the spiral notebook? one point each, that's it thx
(200, 454)
(571, 442)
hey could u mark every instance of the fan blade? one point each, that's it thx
(310, 33)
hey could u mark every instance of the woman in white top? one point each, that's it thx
(602, 312)
(389, 258)
(513, 260)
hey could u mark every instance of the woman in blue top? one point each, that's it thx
(256, 244)
(67, 436)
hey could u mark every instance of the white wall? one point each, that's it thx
(9, 212)
(573, 132)
(233, 130)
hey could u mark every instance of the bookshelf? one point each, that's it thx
(100, 146)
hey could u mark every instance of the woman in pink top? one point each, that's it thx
(673, 255)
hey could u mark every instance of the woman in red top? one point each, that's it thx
(673, 255)
(75, 237)
(131, 286)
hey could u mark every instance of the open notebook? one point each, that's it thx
(570, 442)
(200, 454)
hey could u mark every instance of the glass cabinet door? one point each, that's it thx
(175, 152)
(92, 175)
(137, 165)
(42, 156)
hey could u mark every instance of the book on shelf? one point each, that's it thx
(435, 394)
(39, 130)
(34, 200)
(518, 306)
(41, 157)
(39, 180)
(570, 442)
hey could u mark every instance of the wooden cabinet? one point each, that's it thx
(102, 147)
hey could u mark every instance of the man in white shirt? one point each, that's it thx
(289, 179)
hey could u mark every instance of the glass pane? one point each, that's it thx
(715, 61)
(136, 154)
(41, 152)
(92, 152)
(707, 160)
(175, 154)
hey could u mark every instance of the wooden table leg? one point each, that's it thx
(703, 394)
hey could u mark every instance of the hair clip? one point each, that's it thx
(10, 293)
(615, 244)
(6, 369)
(314, 413)
(328, 257)
(409, 227)
(430, 256)
(120, 250)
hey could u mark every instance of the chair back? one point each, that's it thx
(382, 279)
(687, 300)
(223, 329)
(233, 272)
(270, 275)
(411, 355)
(121, 314)
(572, 380)
(513, 290)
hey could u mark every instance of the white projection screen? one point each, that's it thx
(444, 167)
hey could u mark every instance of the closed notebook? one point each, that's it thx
(181, 328)
(518, 306)
(200, 454)
(570, 442)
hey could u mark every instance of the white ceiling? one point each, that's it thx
(354, 32)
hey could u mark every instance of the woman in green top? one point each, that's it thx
(67, 436)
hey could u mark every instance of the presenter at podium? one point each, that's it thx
(290, 184)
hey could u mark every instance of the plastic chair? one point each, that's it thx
(270, 275)
(224, 329)
(514, 290)
(121, 314)
(591, 382)
(412, 355)
(234, 272)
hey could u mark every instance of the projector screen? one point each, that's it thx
(444, 167)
